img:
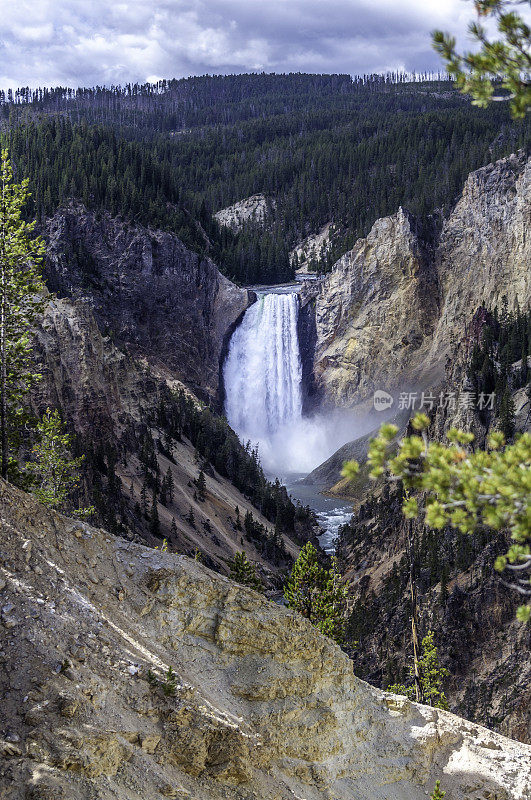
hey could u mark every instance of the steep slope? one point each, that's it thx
(147, 290)
(392, 308)
(123, 414)
(260, 705)
(313, 249)
(484, 253)
(461, 598)
(374, 312)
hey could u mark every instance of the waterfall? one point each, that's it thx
(262, 372)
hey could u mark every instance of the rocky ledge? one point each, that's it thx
(259, 705)
(252, 209)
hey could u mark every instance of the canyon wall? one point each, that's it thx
(391, 310)
(259, 705)
(111, 401)
(147, 291)
(461, 597)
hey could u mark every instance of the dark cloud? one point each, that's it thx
(72, 42)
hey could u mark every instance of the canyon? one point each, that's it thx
(147, 291)
(260, 706)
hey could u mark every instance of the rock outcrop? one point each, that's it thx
(147, 290)
(484, 253)
(99, 387)
(312, 248)
(374, 313)
(391, 310)
(258, 706)
(252, 209)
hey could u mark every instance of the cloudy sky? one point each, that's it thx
(88, 42)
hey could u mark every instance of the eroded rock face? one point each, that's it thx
(98, 386)
(484, 252)
(392, 309)
(312, 248)
(262, 707)
(375, 312)
(148, 290)
(461, 598)
(252, 209)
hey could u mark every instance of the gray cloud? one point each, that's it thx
(73, 43)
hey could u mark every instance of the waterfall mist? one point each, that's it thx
(262, 377)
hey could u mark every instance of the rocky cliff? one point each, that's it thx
(461, 597)
(313, 248)
(147, 291)
(258, 706)
(393, 307)
(99, 387)
(484, 252)
(116, 406)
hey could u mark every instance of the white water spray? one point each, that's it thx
(263, 370)
(262, 378)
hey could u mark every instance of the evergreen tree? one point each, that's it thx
(111, 149)
(464, 489)
(201, 487)
(143, 499)
(524, 369)
(154, 522)
(55, 473)
(505, 61)
(244, 572)
(190, 518)
(173, 529)
(170, 485)
(431, 676)
(316, 592)
(20, 289)
(507, 415)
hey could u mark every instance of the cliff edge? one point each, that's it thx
(260, 705)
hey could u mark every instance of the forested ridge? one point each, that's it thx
(324, 148)
(175, 106)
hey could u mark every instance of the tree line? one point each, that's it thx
(321, 148)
